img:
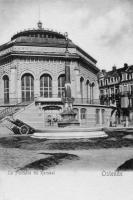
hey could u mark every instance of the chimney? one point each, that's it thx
(114, 68)
(103, 71)
(125, 66)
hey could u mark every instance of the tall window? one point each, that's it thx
(103, 116)
(6, 89)
(46, 86)
(92, 92)
(83, 113)
(27, 87)
(87, 90)
(61, 85)
(97, 116)
(81, 87)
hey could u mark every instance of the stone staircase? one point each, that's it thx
(31, 115)
(8, 111)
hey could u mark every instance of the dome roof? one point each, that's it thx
(39, 33)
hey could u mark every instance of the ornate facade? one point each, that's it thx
(116, 88)
(32, 69)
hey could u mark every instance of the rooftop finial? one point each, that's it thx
(39, 24)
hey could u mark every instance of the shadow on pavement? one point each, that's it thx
(126, 166)
(53, 160)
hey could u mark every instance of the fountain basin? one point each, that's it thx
(70, 133)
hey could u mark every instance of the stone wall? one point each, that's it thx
(90, 115)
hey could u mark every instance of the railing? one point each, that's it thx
(86, 101)
(8, 111)
(15, 101)
(19, 102)
(11, 107)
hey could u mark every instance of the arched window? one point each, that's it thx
(61, 85)
(87, 90)
(6, 89)
(46, 86)
(27, 87)
(92, 92)
(97, 116)
(81, 87)
(83, 113)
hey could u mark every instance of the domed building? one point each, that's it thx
(32, 74)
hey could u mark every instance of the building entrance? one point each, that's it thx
(52, 116)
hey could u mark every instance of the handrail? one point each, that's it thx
(11, 109)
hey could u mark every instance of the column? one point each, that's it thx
(13, 86)
(37, 88)
(77, 83)
(55, 87)
(19, 91)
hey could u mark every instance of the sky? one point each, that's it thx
(103, 28)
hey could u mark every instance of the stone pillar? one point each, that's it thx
(13, 85)
(37, 88)
(55, 88)
(90, 94)
(77, 83)
(19, 91)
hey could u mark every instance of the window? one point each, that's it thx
(46, 86)
(61, 86)
(97, 116)
(112, 90)
(103, 116)
(92, 92)
(6, 89)
(83, 113)
(125, 88)
(116, 90)
(87, 90)
(81, 86)
(124, 76)
(27, 87)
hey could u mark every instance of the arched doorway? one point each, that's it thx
(46, 86)
(6, 89)
(27, 87)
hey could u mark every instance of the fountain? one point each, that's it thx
(69, 123)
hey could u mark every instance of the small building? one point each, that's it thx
(32, 74)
